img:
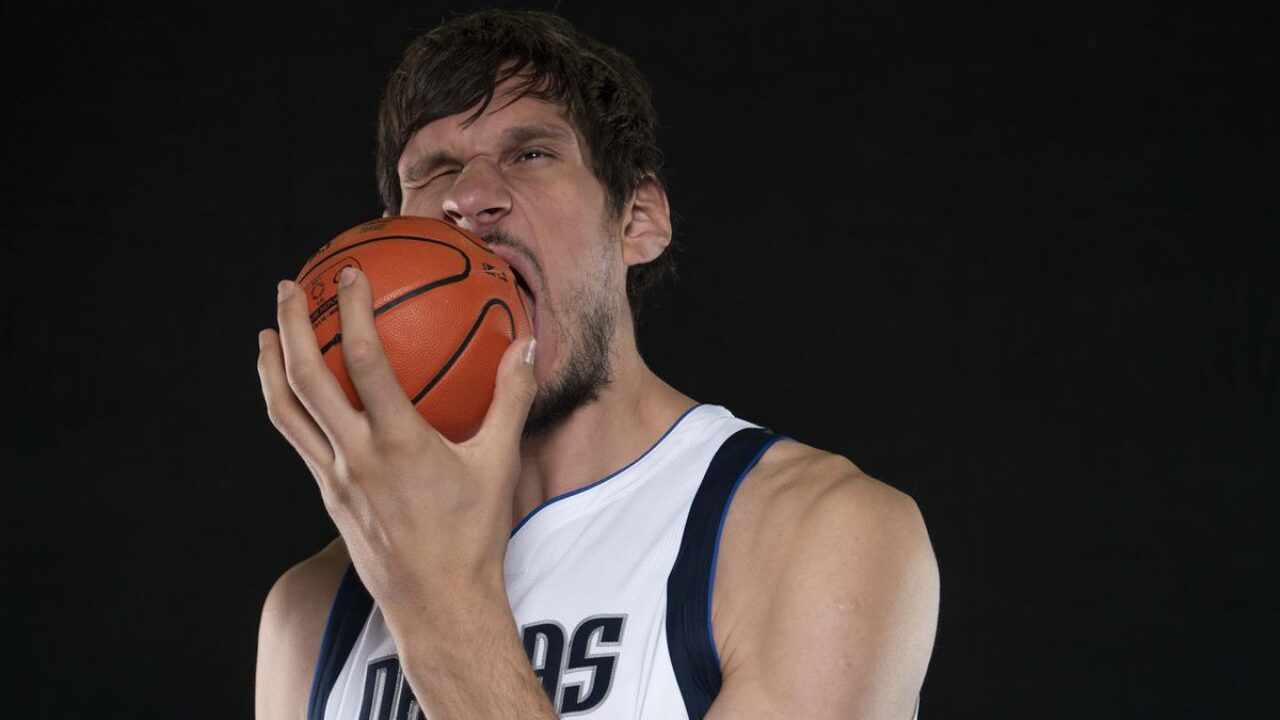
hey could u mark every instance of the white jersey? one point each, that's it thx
(610, 586)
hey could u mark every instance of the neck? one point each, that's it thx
(599, 438)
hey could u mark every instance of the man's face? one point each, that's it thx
(519, 176)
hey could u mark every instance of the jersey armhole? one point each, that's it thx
(347, 618)
(692, 647)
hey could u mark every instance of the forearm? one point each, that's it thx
(471, 664)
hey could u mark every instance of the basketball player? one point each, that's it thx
(605, 546)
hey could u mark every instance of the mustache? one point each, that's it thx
(500, 237)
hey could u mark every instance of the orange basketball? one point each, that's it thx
(446, 308)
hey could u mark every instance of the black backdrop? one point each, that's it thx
(1021, 264)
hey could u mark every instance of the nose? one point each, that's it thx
(479, 197)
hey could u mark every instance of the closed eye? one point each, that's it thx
(423, 183)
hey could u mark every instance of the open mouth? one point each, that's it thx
(523, 287)
(522, 283)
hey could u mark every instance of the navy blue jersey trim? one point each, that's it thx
(715, 553)
(584, 488)
(689, 640)
(350, 612)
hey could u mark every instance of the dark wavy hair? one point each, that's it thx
(458, 65)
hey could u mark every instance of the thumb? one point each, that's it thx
(513, 394)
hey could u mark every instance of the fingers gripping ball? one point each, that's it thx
(445, 306)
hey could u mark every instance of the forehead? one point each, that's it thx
(505, 113)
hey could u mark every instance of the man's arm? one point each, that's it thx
(424, 520)
(826, 597)
(293, 622)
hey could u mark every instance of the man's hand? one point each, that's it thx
(426, 521)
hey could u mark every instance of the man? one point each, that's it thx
(604, 545)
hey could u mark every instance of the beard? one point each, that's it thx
(585, 372)
(588, 337)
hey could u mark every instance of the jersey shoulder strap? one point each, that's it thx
(689, 586)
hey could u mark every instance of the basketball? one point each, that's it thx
(445, 306)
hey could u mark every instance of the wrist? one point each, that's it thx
(456, 656)
(447, 620)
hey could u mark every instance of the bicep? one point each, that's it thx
(843, 625)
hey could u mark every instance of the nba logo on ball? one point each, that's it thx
(445, 307)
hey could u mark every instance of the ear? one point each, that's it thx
(646, 230)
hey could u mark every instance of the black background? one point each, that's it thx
(1020, 263)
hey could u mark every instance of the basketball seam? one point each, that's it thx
(466, 272)
(484, 311)
(316, 263)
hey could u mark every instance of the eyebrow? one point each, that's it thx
(511, 137)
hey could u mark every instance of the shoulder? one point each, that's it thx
(806, 493)
(824, 569)
(304, 593)
(292, 628)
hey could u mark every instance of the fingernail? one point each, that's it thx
(262, 339)
(530, 351)
(347, 276)
(284, 290)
